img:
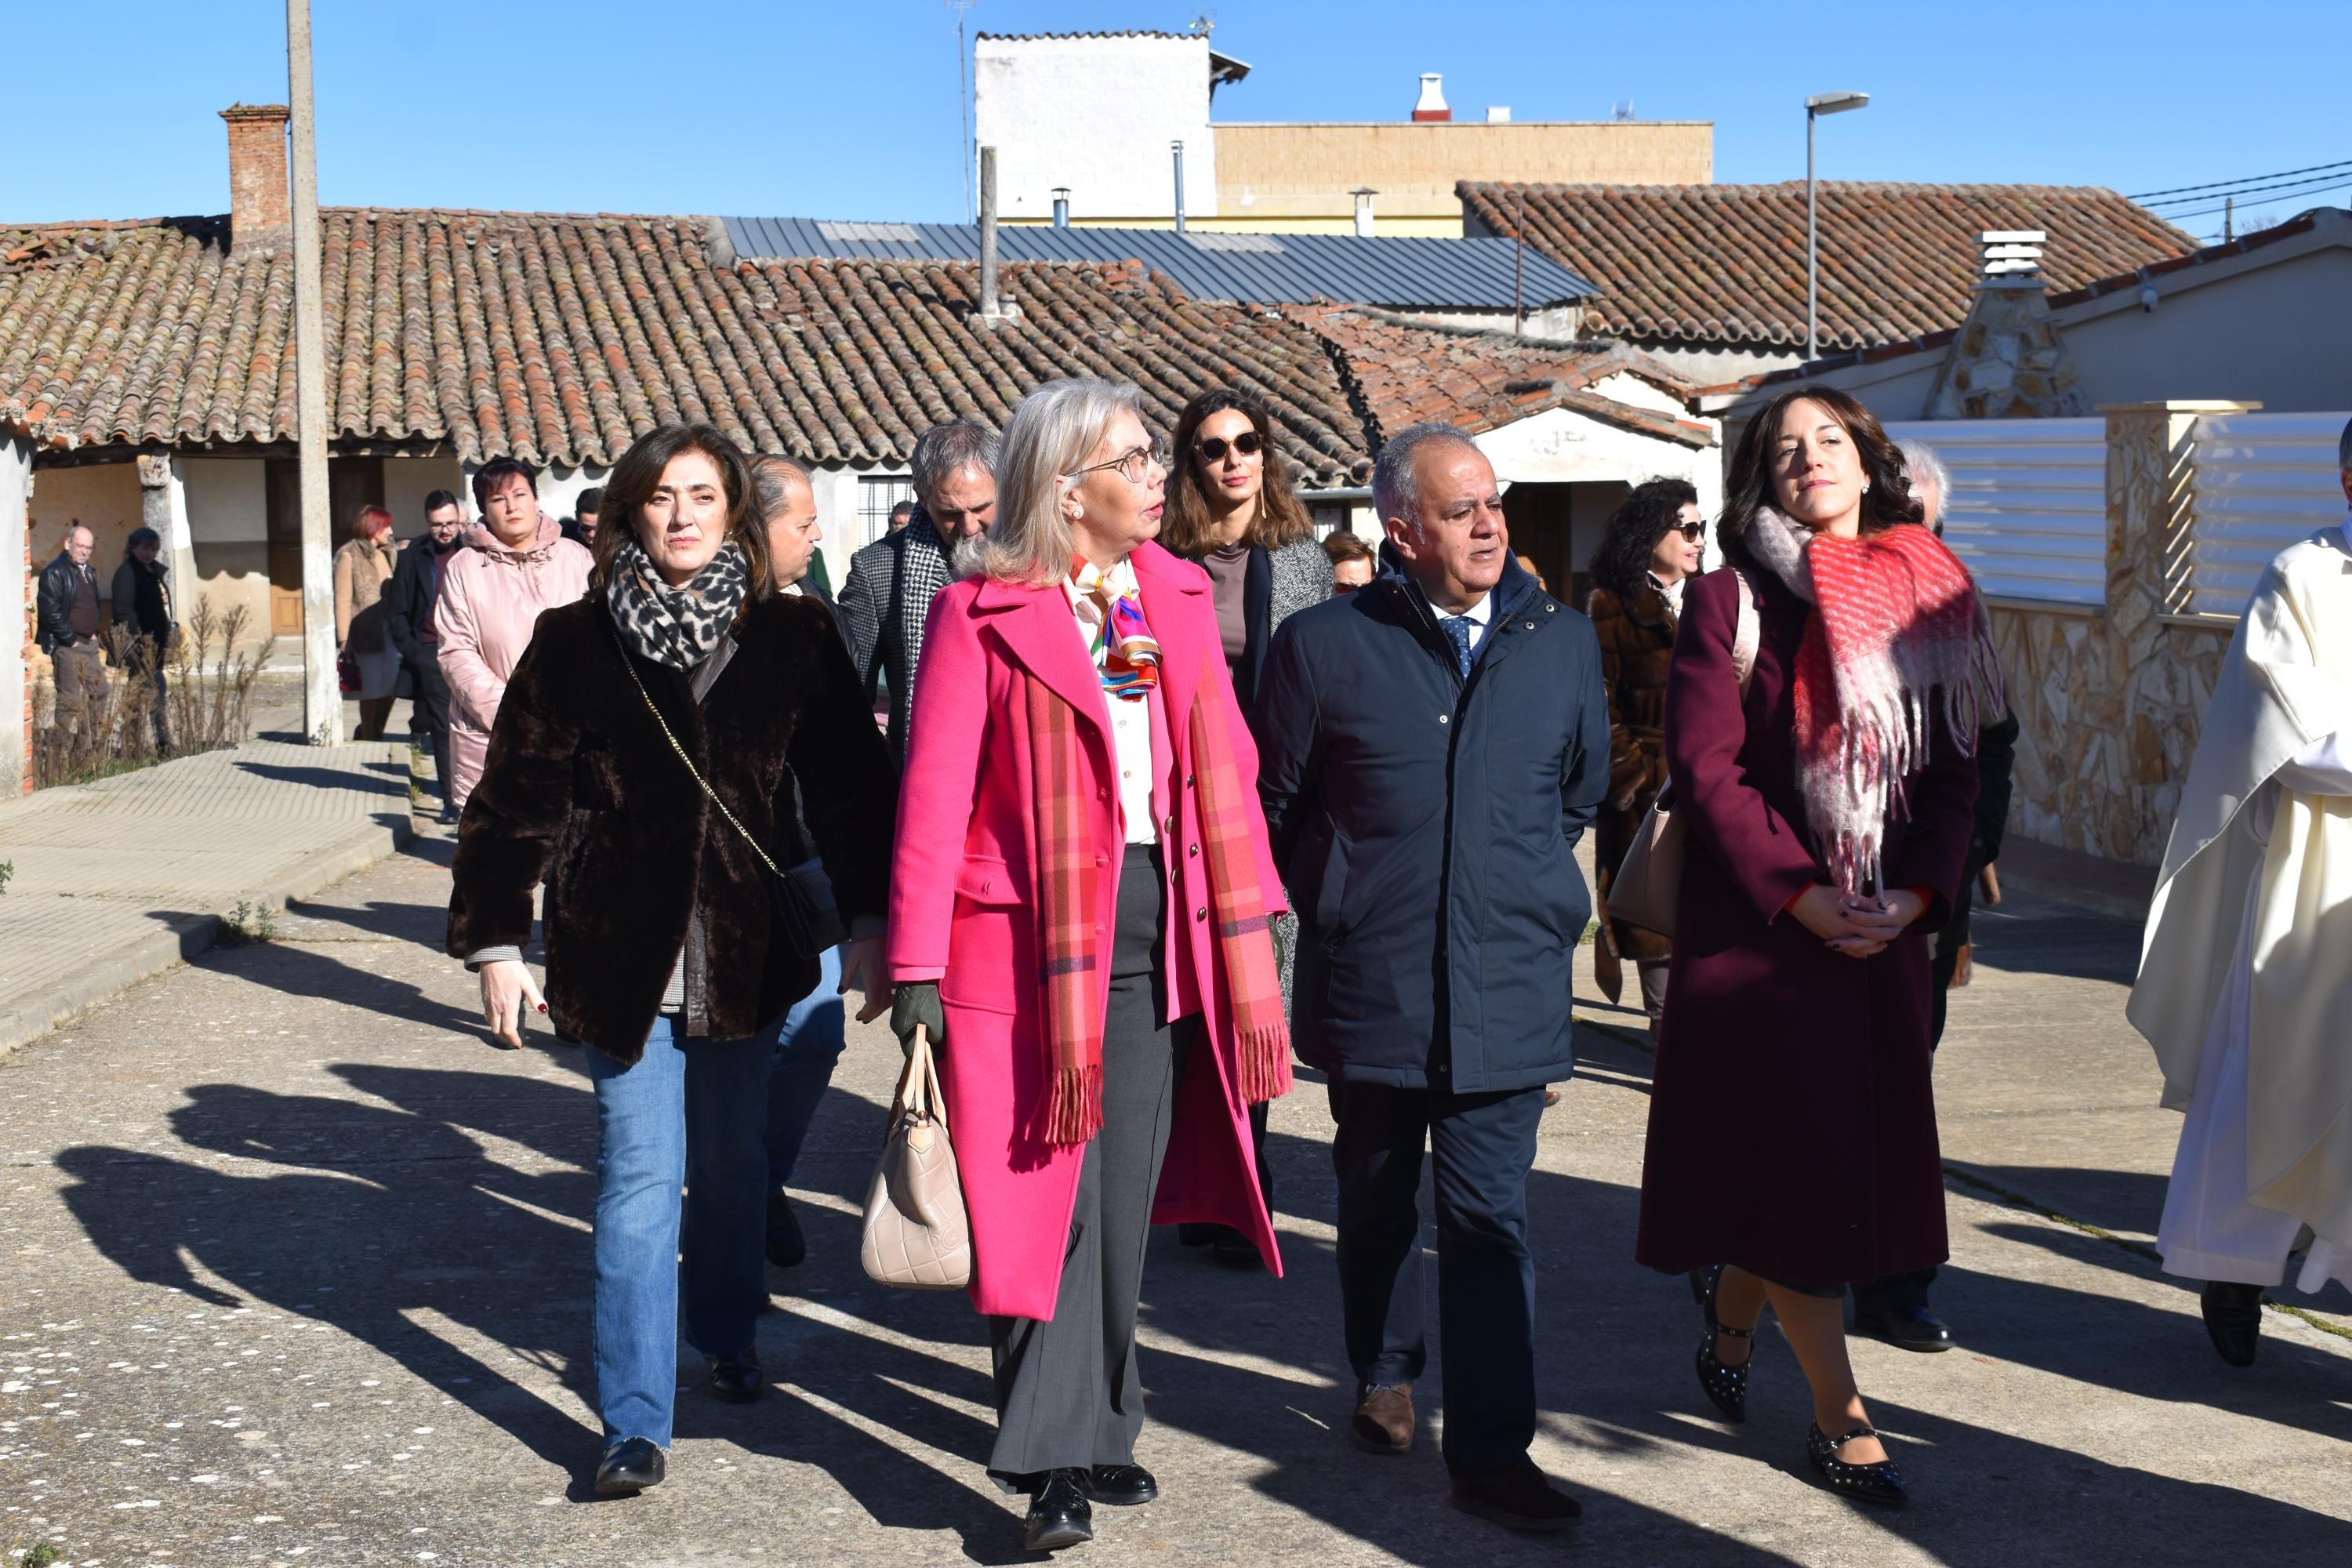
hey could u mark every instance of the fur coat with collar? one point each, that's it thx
(581, 791)
(1637, 648)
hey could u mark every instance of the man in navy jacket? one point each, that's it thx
(1431, 749)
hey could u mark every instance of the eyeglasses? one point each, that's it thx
(1213, 448)
(1132, 464)
(1694, 532)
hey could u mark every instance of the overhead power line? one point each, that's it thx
(2218, 186)
(2209, 212)
(2285, 187)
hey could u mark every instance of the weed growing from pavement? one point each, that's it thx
(8, 869)
(40, 1555)
(248, 923)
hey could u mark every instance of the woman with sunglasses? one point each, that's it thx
(1079, 904)
(1232, 509)
(1651, 550)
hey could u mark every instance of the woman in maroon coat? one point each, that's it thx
(1792, 1125)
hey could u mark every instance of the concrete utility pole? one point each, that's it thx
(322, 696)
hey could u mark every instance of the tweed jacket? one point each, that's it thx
(883, 604)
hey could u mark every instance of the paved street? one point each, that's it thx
(117, 880)
(299, 1276)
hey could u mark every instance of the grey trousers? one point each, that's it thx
(1068, 1395)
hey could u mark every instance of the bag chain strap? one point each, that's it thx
(638, 681)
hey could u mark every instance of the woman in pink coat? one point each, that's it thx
(515, 564)
(1080, 907)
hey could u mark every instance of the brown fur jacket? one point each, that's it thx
(1637, 648)
(582, 790)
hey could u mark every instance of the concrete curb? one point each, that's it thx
(110, 976)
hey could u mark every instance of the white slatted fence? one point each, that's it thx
(2028, 512)
(2264, 481)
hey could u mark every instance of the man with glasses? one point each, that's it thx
(414, 590)
(1431, 750)
(887, 595)
(66, 626)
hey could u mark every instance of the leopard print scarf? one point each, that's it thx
(675, 627)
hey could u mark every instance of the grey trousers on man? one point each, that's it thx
(1068, 1395)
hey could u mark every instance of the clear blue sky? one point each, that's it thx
(849, 110)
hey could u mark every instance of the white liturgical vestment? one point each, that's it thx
(2245, 982)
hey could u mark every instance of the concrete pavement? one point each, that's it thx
(298, 1277)
(116, 880)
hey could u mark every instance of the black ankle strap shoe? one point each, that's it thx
(1879, 1483)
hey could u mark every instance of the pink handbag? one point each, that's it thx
(1649, 882)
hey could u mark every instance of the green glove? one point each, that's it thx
(917, 1002)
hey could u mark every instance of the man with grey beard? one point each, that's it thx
(887, 595)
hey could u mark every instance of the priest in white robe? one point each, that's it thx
(2245, 978)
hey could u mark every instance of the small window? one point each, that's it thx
(876, 496)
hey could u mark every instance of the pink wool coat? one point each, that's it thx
(490, 599)
(963, 912)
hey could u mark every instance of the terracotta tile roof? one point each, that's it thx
(1406, 372)
(1726, 264)
(558, 338)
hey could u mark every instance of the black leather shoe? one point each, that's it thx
(1916, 1329)
(1725, 1386)
(2233, 1316)
(631, 1464)
(1880, 1483)
(787, 1248)
(1059, 1514)
(1121, 1486)
(737, 1379)
(1235, 1250)
(1519, 1499)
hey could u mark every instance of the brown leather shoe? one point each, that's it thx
(1384, 1419)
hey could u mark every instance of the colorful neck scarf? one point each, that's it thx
(1126, 654)
(1896, 621)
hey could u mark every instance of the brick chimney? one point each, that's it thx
(260, 202)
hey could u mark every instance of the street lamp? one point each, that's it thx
(1820, 103)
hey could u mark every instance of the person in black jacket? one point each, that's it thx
(1431, 749)
(142, 608)
(65, 627)
(415, 588)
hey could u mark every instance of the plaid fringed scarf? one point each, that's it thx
(1067, 894)
(1898, 618)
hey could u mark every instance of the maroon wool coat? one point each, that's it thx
(1792, 1122)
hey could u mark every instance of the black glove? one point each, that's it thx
(917, 1002)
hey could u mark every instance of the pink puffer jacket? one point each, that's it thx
(491, 598)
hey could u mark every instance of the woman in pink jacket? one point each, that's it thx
(516, 563)
(1081, 905)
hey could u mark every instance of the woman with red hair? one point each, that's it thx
(362, 624)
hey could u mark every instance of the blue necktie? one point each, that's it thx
(1458, 633)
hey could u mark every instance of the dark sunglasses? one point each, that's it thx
(1213, 449)
(1694, 532)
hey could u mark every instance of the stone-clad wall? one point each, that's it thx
(2108, 702)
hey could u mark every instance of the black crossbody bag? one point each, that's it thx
(801, 898)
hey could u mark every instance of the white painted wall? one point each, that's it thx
(16, 631)
(228, 499)
(1560, 446)
(409, 481)
(1097, 115)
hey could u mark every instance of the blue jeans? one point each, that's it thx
(687, 1114)
(807, 1047)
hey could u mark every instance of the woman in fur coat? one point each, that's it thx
(643, 766)
(1649, 552)
(1792, 1125)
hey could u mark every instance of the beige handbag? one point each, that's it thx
(916, 1233)
(1649, 882)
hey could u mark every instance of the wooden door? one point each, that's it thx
(352, 483)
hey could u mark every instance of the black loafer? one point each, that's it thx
(1235, 1250)
(1121, 1486)
(737, 1379)
(1059, 1514)
(2234, 1317)
(787, 1248)
(1522, 1498)
(631, 1464)
(1915, 1330)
